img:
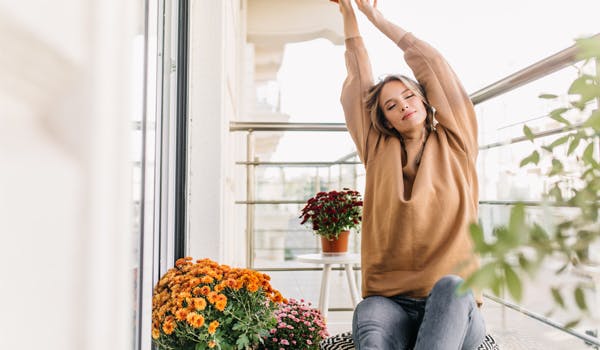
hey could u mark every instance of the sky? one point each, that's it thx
(484, 41)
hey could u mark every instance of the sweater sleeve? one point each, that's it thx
(357, 83)
(454, 109)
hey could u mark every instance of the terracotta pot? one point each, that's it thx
(339, 245)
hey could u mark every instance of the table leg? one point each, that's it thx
(352, 284)
(324, 297)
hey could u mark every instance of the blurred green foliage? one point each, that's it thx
(517, 250)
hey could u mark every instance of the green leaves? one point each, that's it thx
(478, 239)
(586, 86)
(557, 168)
(485, 277)
(516, 223)
(528, 133)
(559, 141)
(588, 47)
(593, 121)
(580, 298)
(242, 342)
(557, 115)
(513, 283)
(588, 154)
(533, 158)
(557, 296)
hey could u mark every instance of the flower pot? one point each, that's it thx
(336, 245)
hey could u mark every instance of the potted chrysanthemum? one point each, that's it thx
(203, 305)
(299, 327)
(332, 215)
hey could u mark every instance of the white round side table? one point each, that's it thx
(327, 259)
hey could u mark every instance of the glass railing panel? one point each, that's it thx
(300, 183)
(502, 179)
(304, 145)
(502, 118)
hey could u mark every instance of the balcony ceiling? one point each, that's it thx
(273, 23)
(277, 22)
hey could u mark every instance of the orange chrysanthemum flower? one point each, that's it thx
(253, 287)
(220, 305)
(212, 297)
(212, 344)
(199, 303)
(168, 327)
(195, 320)
(207, 279)
(181, 314)
(155, 333)
(212, 327)
(204, 290)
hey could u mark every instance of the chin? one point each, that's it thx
(415, 121)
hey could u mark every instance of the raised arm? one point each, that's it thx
(358, 81)
(454, 109)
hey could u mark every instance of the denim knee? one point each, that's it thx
(379, 323)
(447, 285)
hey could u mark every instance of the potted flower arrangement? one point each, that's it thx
(299, 327)
(332, 214)
(203, 305)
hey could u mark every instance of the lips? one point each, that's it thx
(408, 115)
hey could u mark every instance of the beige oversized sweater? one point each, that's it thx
(410, 243)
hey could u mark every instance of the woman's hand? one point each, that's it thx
(369, 8)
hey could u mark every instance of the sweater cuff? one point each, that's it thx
(406, 41)
(355, 42)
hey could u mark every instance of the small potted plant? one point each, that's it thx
(332, 215)
(299, 327)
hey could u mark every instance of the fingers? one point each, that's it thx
(365, 5)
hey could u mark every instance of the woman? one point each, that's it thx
(418, 142)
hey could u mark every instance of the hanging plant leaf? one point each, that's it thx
(533, 158)
(528, 133)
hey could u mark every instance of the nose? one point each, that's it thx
(405, 107)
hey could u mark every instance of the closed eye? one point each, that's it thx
(409, 96)
(391, 106)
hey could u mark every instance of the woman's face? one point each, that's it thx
(403, 109)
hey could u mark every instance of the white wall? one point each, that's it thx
(65, 195)
(215, 223)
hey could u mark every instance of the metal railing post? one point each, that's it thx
(250, 197)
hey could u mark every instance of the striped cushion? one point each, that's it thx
(343, 341)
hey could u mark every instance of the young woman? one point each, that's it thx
(418, 143)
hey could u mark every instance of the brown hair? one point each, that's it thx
(376, 113)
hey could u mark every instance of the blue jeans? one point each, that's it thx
(442, 321)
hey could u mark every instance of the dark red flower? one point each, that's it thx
(331, 212)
